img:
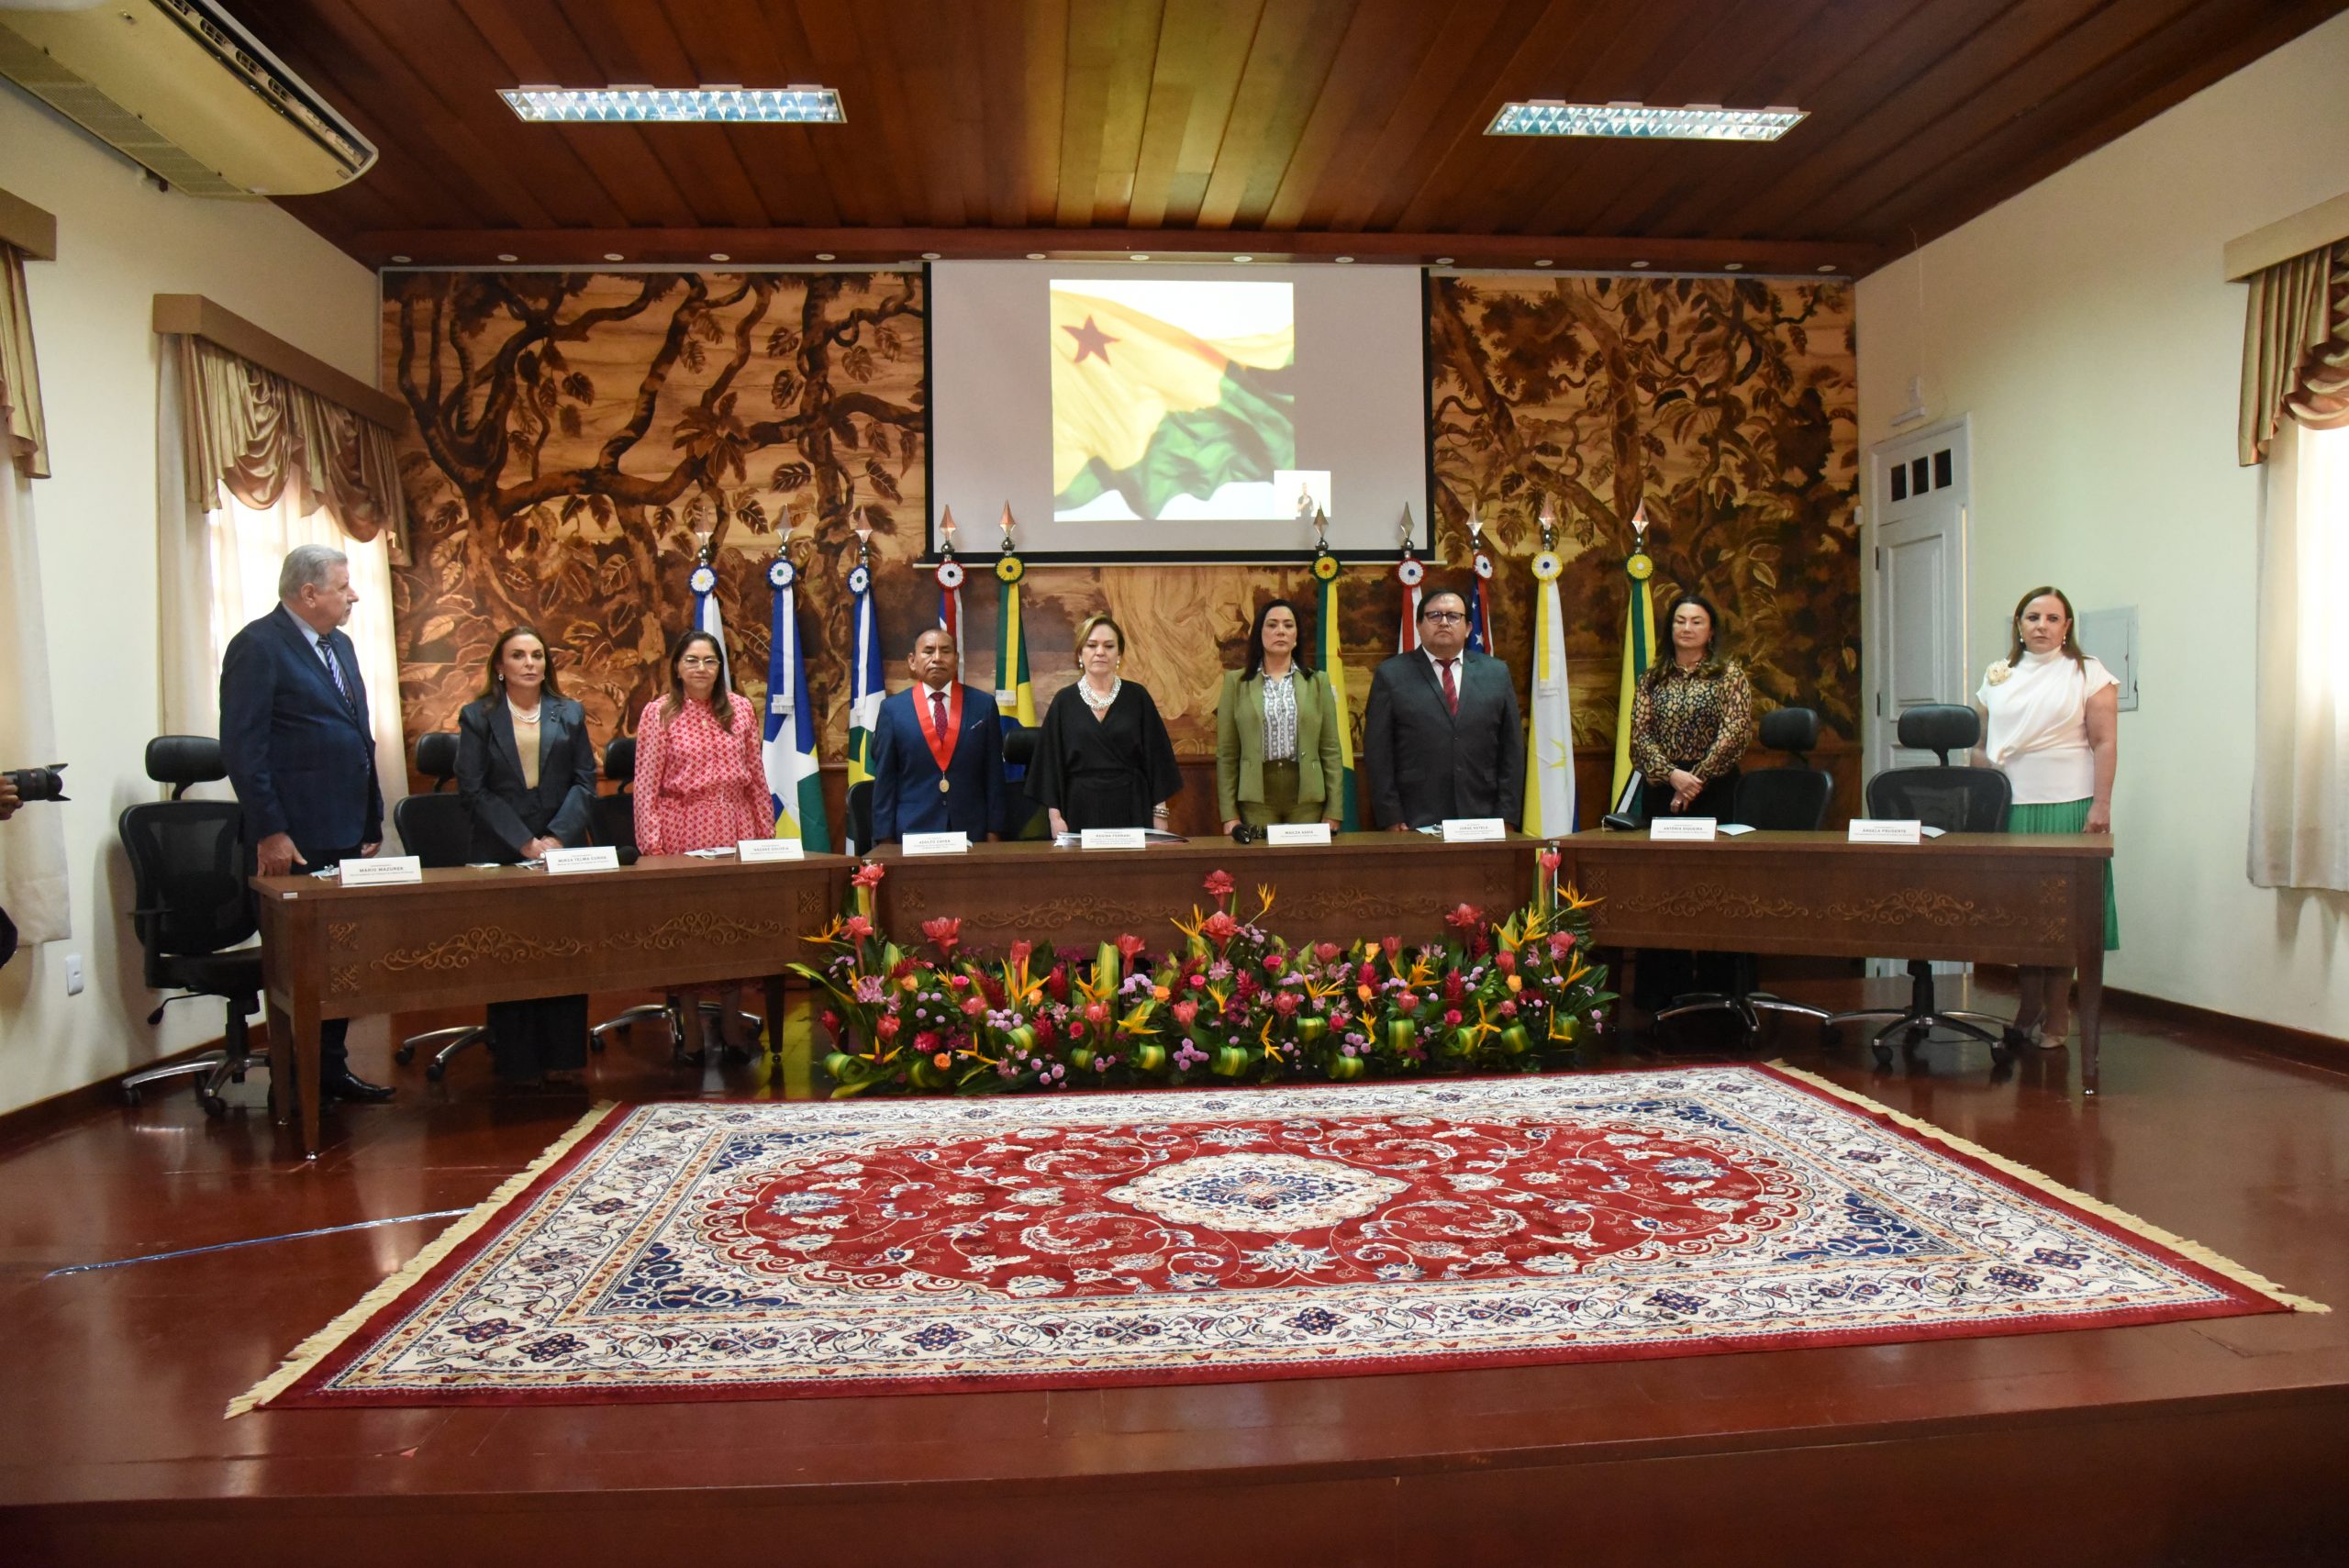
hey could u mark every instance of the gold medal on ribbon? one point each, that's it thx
(943, 786)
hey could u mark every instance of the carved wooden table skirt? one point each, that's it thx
(1975, 897)
(469, 935)
(1364, 884)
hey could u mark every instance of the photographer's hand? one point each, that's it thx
(9, 798)
(275, 855)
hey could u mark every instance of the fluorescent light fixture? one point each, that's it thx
(1698, 122)
(799, 104)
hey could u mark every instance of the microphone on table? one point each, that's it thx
(1241, 833)
(629, 853)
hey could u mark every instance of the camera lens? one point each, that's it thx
(38, 783)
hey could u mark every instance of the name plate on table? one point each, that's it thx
(1681, 829)
(1474, 829)
(752, 851)
(384, 870)
(1886, 831)
(1298, 833)
(1113, 839)
(597, 857)
(945, 843)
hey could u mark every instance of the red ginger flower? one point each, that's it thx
(1550, 858)
(1219, 884)
(857, 928)
(1129, 946)
(1326, 951)
(869, 874)
(1020, 951)
(1185, 1012)
(1506, 963)
(946, 931)
(1464, 917)
(1560, 943)
(1219, 928)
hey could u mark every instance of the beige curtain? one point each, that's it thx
(219, 558)
(2295, 350)
(2300, 793)
(252, 435)
(22, 430)
(33, 880)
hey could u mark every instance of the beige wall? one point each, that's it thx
(121, 241)
(2087, 327)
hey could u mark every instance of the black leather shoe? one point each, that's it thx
(349, 1086)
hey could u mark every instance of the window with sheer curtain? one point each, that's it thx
(221, 555)
(2300, 817)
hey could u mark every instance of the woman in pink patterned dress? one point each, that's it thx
(701, 785)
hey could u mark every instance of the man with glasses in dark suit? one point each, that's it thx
(1442, 738)
(300, 751)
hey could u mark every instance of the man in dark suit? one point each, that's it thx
(300, 750)
(937, 752)
(1442, 736)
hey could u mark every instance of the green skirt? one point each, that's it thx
(2068, 816)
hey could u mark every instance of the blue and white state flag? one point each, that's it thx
(794, 787)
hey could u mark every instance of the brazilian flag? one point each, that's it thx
(1154, 410)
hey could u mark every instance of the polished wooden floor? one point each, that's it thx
(2219, 1442)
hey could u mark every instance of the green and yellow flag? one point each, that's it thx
(1154, 410)
(1639, 649)
(1333, 664)
(1015, 691)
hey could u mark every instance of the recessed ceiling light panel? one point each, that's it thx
(795, 104)
(1638, 122)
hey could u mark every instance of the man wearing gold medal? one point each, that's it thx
(937, 752)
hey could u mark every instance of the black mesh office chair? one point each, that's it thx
(438, 829)
(1956, 800)
(613, 823)
(1023, 819)
(1792, 799)
(189, 864)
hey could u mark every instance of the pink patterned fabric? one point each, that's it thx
(699, 786)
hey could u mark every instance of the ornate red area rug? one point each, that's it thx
(708, 1250)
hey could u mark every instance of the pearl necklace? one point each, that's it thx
(519, 716)
(1100, 705)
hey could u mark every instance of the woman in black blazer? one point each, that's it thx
(526, 768)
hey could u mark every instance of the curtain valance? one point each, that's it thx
(251, 433)
(22, 430)
(2295, 349)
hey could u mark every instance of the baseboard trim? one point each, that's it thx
(2277, 1039)
(30, 1124)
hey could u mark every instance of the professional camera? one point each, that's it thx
(38, 783)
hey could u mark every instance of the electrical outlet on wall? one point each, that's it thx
(73, 974)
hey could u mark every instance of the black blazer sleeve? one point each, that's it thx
(485, 781)
(573, 763)
(248, 695)
(885, 782)
(1379, 742)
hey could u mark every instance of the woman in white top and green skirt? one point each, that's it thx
(2050, 723)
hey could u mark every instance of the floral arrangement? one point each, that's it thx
(1228, 1002)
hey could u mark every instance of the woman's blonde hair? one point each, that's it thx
(1092, 623)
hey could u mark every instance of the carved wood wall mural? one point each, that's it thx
(573, 429)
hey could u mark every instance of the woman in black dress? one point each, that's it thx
(526, 768)
(1103, 758)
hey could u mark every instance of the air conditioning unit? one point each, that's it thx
(180, 86)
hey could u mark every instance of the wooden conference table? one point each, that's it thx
(1977, 897)
(469, 935)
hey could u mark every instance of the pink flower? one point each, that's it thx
(1218, 883)
(973, 1006)
(959, 981)
(869, 874)
(830, 1021)
(946, 931)
(1509, 1010)
(926, 1041)
(1550, 858)
(1185, 1012)
(1326, 951)
(858, 928)
(1285, 1004)
(1368, 975)
(1560, 943)
(1464, 917)
(1219, 928)
(1275, 963)
(1452, 1018)
(1095, 1013)
(1506, 963)
(1020, 951)
(1392, 945)
(1129, 946)
(887, 1026)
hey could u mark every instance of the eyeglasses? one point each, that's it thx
(698, 661)
(1443, 616)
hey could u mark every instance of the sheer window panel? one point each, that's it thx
(2299, 813)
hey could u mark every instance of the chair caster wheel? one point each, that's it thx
(213, 1105)
(595, 1042)
(434, 1071)
(1884, 1056)
(404, 1055)
(131, 1096)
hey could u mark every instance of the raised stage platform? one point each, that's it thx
(2219, 1441)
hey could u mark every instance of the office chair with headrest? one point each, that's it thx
(1791, 799)
(613, 822)
(438, 829)
(1955, 799)
(189, 866)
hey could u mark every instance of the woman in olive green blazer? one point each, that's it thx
(1279, 687)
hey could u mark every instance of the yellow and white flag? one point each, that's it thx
(1550, 751)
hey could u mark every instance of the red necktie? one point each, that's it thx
(1450, 692)
(938, 715)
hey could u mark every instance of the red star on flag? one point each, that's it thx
(1090, 340)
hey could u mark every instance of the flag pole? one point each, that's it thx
(1550, 756)
(1639, 653)
(1333, 664)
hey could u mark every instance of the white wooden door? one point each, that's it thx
(1916, 642)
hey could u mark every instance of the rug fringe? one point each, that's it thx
(2192, 1250)
(314, 1350)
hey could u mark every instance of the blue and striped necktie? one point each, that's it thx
(334, 670)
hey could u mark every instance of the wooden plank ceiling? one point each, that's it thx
(1279, 128)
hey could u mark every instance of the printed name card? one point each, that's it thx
(1683, 828)
(597, 857)
(945, 843)
(1112, 838)
(751, 851)
(1298, 833)
(1886, 831)
(1473, 829)
(384, 870)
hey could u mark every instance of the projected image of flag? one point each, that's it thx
(1173, 400)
